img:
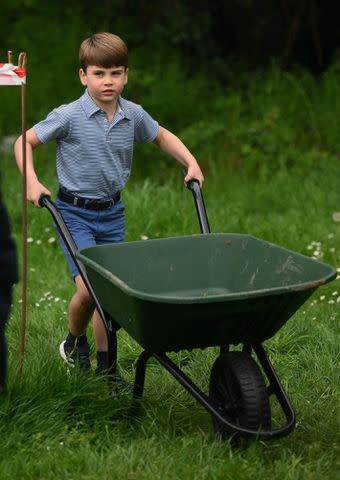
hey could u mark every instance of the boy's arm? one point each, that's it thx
(34, 188)
(173, 146)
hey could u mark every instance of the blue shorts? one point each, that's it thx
(91, 227)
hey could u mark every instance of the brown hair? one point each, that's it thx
(103, 49)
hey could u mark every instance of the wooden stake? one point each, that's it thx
(22, 60)
(22, 64)
(10, 57)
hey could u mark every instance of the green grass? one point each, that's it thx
(53, 425)
(270, 153)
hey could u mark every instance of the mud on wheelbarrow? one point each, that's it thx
(203, 291)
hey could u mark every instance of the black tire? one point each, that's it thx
(238, 389)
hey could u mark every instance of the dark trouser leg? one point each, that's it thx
(5, 304)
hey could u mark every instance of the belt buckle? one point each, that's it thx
(100, 204)
(107, 203)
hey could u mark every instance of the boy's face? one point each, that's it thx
(104, 84)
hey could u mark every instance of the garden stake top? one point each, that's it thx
(16, 75)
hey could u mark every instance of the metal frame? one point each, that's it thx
(274, 388)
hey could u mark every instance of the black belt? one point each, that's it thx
(89, 203)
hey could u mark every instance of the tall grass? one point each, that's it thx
(272, 171)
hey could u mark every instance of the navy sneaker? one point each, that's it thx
(76, 356)
(118, 382)
(121, 385)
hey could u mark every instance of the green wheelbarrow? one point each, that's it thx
(202, 291)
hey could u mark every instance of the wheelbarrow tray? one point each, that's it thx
(201, 290)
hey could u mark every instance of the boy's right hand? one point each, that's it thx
(34, 191)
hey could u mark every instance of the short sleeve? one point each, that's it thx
(53, 127)
(146, 128)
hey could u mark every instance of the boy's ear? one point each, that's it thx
(83, 77)
(126, 76)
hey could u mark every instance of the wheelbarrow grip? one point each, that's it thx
(44, 200)
(194, 186)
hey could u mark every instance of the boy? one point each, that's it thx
(95, 136)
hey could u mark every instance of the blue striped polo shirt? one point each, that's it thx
(94, 157)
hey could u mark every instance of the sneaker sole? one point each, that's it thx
(63, 355)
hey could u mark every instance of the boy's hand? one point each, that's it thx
(194, 171)
(34, 191)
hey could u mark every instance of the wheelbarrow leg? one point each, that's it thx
(275, 385)
(112, 328)
(224, 349)
(140, 374)
(246, 348)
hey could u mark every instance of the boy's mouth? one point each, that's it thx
(107, 92)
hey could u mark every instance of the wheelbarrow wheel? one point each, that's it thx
(238, 390)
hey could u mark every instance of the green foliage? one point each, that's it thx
(269, 119)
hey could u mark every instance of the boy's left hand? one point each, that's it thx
(194, 171)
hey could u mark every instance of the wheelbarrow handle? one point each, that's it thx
(45, 201)
(194, 186)
(109, 324)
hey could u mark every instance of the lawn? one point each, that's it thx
(59, 426)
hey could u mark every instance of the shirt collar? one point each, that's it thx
(123, 108)
(90, 107)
